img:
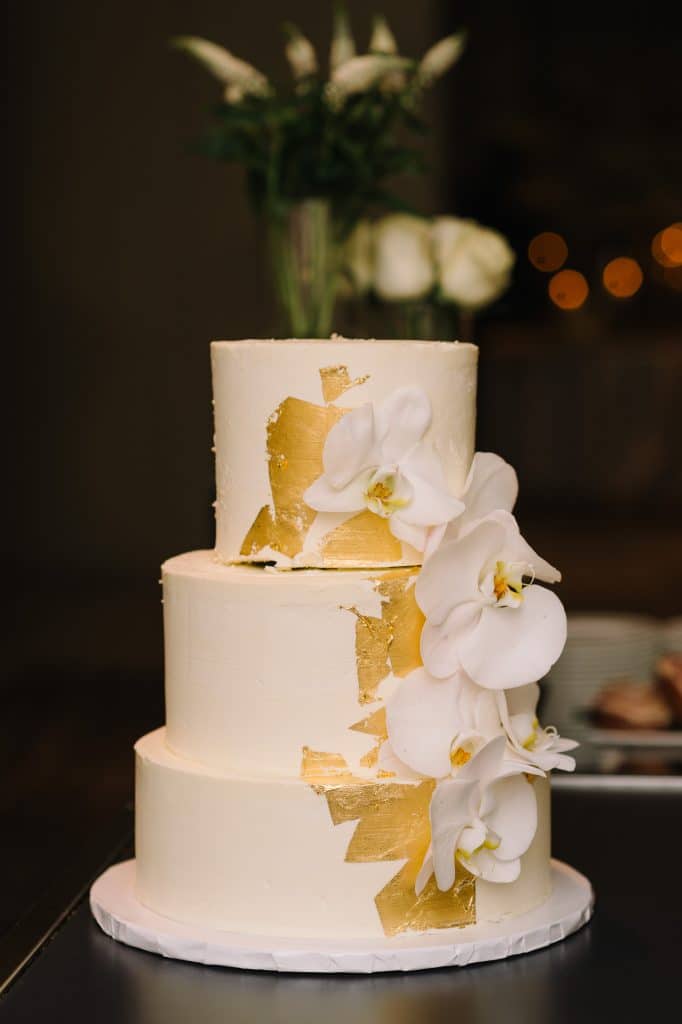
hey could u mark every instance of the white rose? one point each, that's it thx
(359, 256)
(474, 262)
(403, 258)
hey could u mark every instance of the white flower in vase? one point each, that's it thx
(474, 262)
(239, 77)
(361, 73)
(300, 53)
(343, 44)
(530, 742)
(404, 269)
(440, 57)
(377, 459)
(434, 725)
(483, 818)
(484, 612)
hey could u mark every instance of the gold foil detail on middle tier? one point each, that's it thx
(296, 434)
(393, 824)
(390, 643)
(364, 537)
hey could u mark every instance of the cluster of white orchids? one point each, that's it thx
(467, 718)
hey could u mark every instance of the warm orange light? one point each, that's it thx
(666, 246)
(671, 243)
(568, 289)
(547, 251)
(622, 277)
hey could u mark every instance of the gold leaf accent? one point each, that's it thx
(374, 725)
(296, 434)
(390, 643)
(319, 768)
(393, 824)
(336, 380)
(365, 537)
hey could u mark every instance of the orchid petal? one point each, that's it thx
(509, 808)
(438, 643)
(516, 549)
(324, 498)
(450, 812)
(485, 765)
(451, 576)
(406, 532)
(402, 419)
(422, 720)
(509, 647)
(433, 539)
(491, 484)
(350, 446)
(430, 505)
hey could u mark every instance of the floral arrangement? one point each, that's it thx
(467, 718)
(443, 262)
(330, 135)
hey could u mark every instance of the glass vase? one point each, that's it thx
(304, 254)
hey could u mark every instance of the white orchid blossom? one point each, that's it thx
(238, 76)
(434, 725)
(484, 613)
(403, 259)
(483, 818)
(531, 742)
(440, 57)
(377, 458)
(300, 53)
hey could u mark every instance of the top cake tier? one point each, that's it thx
(370, 496)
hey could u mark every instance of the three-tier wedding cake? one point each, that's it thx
(351, 747)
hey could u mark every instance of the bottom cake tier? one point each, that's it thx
(289, 857)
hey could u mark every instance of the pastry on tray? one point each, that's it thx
(625, 704)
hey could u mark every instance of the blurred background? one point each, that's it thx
(131, 252)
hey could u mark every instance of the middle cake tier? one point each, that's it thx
(281, 673)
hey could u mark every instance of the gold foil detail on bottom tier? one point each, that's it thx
(393, 824)
(364, 537)
(296, 434)
(336, 380)
(390, 643)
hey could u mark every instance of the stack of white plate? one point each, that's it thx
(599, 648)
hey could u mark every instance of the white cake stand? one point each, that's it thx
(121, 916)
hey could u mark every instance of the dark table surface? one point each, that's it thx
(624, 966)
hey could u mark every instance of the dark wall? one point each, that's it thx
(133, 253)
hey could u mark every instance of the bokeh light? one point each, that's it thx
(671, 243)
(547, 251)
(568, 289)
(666, 246)
(622, 277)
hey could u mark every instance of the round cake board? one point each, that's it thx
(125, 919)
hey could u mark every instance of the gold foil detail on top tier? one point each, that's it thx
(393, 824)
(390, 643)
(364, 537)
(296, 434)
(336, 380)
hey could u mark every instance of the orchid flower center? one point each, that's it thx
(476, 837)
(504, 584)
(381, 497)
